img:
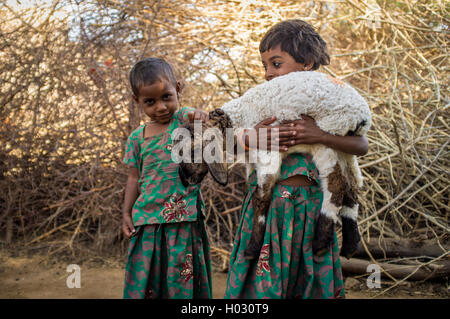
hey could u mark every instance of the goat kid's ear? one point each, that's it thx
(219, 172)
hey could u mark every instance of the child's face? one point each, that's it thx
(159, 100)
(277, 62)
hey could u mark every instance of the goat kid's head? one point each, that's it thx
(193, 172)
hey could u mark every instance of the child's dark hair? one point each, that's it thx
(300, 40)
(149, 70)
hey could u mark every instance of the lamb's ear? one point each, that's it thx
(217, 165)
(219, 172)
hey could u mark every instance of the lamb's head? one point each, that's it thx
(213, 131)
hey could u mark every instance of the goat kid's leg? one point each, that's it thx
(349, 212)
(261, 202)
(350, 232)
(333, 187)
(325, 226)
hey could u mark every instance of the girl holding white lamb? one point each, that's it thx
(287, 266)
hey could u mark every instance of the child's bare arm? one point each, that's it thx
(284, 132)
(307, 132)
(131, 194)
(355, 145)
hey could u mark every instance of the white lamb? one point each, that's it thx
(337, 109)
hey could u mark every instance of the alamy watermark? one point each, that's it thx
(210, 146)
(74, 279)
(374, 279)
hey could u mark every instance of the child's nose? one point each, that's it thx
(161, 107)
(270, 75)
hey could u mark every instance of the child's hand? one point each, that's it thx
(306, 132)
(197, 115)
(127, 225)
(285, 134)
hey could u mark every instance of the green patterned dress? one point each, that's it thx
(286, 267)
(168, 256)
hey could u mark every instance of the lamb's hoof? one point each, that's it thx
(324, 235)
(252, 251)
(348, 251)
(350, 237)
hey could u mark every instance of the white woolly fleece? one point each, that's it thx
(335, 106)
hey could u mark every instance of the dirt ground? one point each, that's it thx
(40, 277)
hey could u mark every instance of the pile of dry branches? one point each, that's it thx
(401, 69)
(66, 111)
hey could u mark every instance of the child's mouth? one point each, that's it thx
(164, 118)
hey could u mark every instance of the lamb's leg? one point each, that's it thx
(349, 214)
(350, 232)
(333, 186)
(323, 236)
(267, 170)
(261, 202)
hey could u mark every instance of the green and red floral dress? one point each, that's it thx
(286, 267)
(168, 256)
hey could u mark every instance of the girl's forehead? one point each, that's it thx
(158, 86)
(274, 53)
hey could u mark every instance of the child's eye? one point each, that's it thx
(149, 102)
(276, 64)
(166, 96)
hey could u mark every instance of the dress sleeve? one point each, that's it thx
(131, 157)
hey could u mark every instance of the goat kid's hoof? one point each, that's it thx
(320, 247)
(324, 235)
(348, 251)
(350, 237)
(250, 254)
(348, 248)
(252, 251)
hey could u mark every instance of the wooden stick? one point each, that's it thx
(356, 266)
(388, 248)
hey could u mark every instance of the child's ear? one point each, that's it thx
(179, 88)
(308, 67)
(135, 98)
